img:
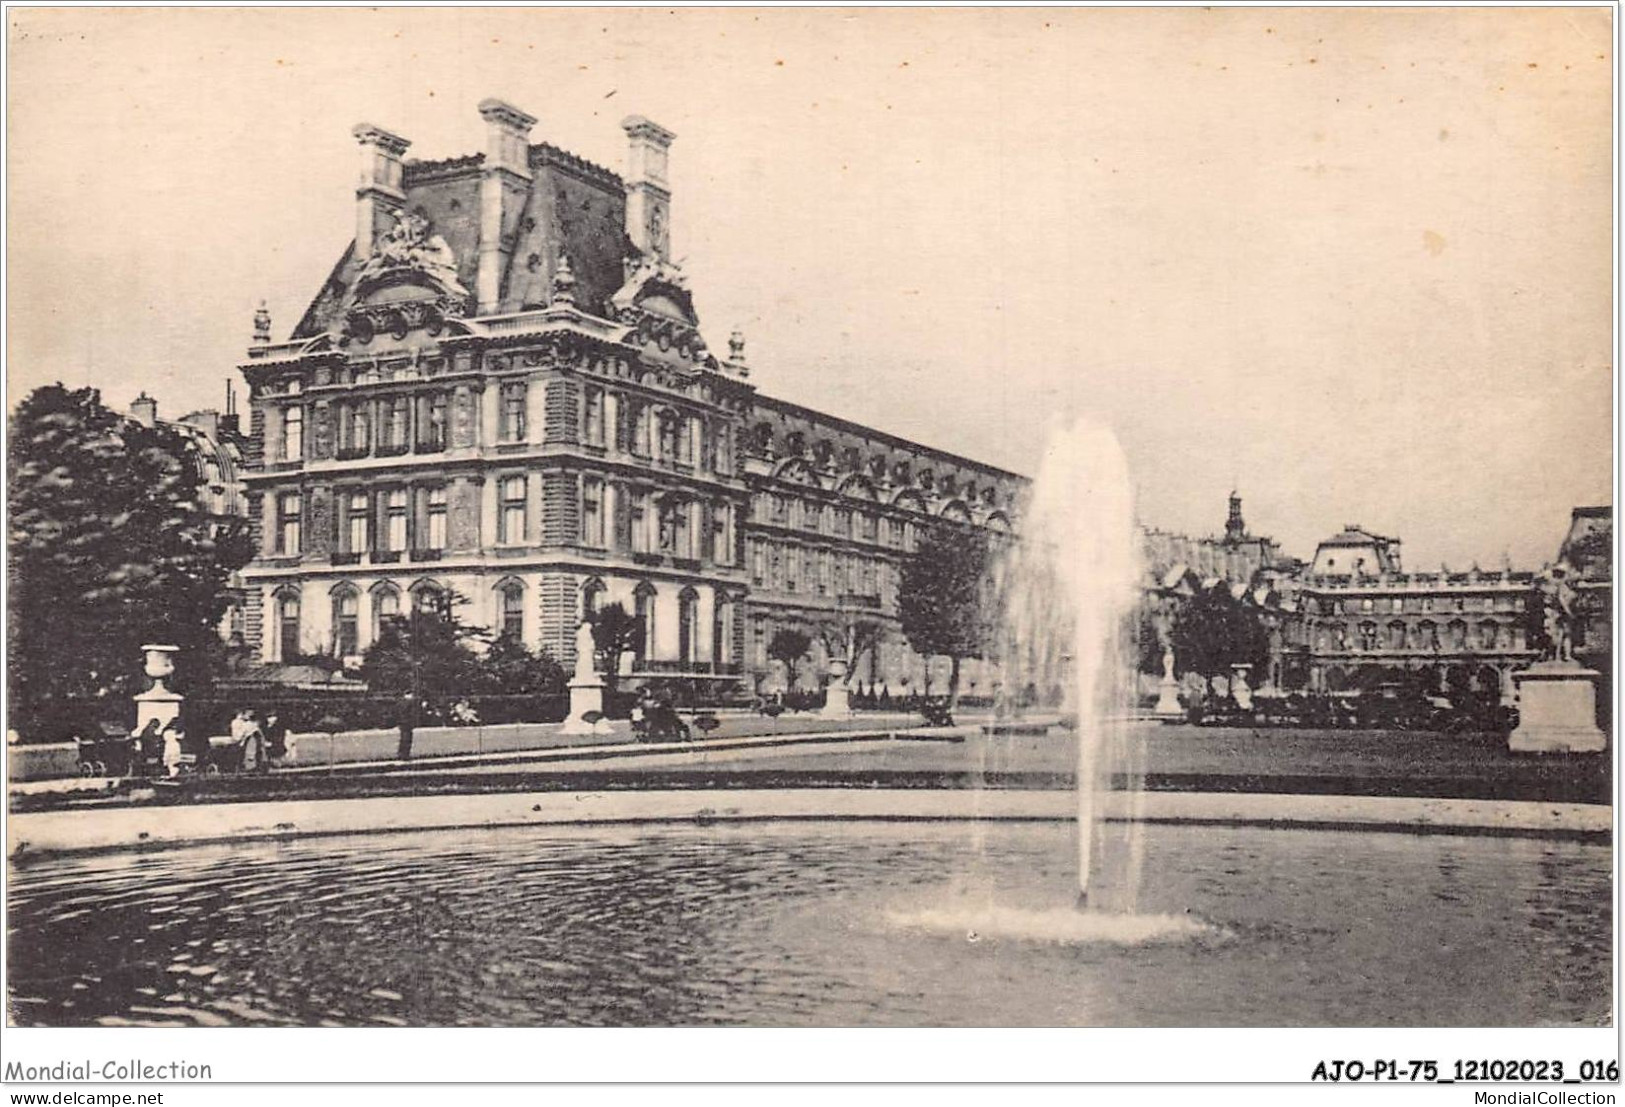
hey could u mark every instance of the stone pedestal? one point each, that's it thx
(1557, 710)
(1168, 706)
(836, 701)
(586, 695)
(156, 704)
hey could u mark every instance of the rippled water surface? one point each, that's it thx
(800, 925)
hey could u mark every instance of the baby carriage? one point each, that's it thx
(110, 752)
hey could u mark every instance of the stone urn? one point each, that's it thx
(158, 702)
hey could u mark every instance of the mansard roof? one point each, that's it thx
(570, 208)
(1354, 535)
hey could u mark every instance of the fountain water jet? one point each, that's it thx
(1067, 589)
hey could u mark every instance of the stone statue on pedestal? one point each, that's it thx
(586, 686)
(1557, 599)
(1557, 696)
(586, 647)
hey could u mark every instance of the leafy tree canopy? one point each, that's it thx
(508, 668)
(111, 548)
(1214, 631)
(615, 632)
(943, 601)
(426, 652)
(791, 647)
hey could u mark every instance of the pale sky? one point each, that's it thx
(1356, 263)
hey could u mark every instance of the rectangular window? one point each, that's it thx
(400, 419)
(345, 622)
(358, 511)
(724, 448)
(359, 430)
(640, 429)
(512, 413)
(511, 519)
(685, 439)
(758, 564)
(722, 534)
(288, 505)
(395, 519)
(432, 433)
(639, 514)
(513, 613)
(437, 518)
(792, 568)
(592, 429)
(668, 437)
(293, 433)
(592, 511)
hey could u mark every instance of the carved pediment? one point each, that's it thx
(409, 282)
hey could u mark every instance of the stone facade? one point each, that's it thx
(502, 391)
(1357, 620)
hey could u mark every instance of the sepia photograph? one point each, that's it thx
(809, 518)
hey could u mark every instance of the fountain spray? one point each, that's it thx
(1068, 588)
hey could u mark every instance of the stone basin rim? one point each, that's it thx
(43, 835)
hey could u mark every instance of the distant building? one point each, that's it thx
(1361, 621)
(1236, 557)
(217, 448)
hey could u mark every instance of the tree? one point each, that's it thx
(111, 548)
(943, 600)
(615, 632)
(790, 647)
(426, 652)
(847, 638)
(1215, 632)
(507, 668)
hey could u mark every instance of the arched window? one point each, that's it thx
(428, 598)
(512, 610)
(592, 595)
(287, 619)
(643, 598)
(688, 625)
(346, 618)
(669, 424)
(386, 605)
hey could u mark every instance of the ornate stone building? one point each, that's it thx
(502, 391)
(1361, 621)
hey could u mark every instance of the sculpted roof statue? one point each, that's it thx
(409, 244)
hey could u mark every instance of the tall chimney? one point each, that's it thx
(648, 193)
(145, 410)
(504, 182)
(378, 191)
